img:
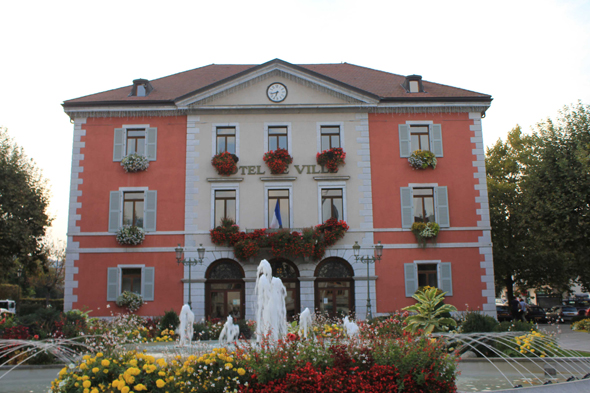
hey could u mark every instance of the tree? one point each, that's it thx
(49, 281)
(557, 210)
(23, 209)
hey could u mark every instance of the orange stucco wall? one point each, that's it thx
(100, 176)
(390, 172)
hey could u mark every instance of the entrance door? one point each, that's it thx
(226, 299)
(334, 287)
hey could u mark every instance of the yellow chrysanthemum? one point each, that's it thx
(86, 384)
(99, 355)
(125, 389)
(105, 363)
(95, 370)
(160, 383)
(139, 387)
(241, 371)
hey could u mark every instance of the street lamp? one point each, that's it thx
(368, 260)
(190, 262)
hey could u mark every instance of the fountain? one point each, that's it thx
(305, 322)
(352, 329)
(271, 312)
(185, 330)
(230, 332)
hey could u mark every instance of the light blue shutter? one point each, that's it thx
(112, 284)
(442, 207)
(115, 211)
(407, 207)
(446, 278)
(405, 145)
(152, 139)
(436, 140)
(410, 278)
(119, 147)
(151, 204)
(148, 278)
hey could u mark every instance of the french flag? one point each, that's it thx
(276, 219)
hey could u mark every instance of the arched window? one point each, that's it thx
(224, 290)
(289, 274)
(334, 287)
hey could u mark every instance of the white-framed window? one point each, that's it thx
(225, 202)
(133, 278)
(225, 137)
(432, 273)
(133, 206)
(329, 135)
(277, 135)
(332, 201)
(424, 203)
(278, 201)
(420, 135)
(135, 138)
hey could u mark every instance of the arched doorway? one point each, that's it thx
(289, 274)
(334, 287)
(224, 290)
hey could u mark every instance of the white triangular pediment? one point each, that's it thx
(250, 91)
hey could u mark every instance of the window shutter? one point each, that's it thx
(407, 207)
(442, 205)
(114, 211)
(152, 139)
(446, 278)
(119, 148)
(411, 279)
(151, 203)
(404, 140)
(148, 278)
(112, 284)
(436, 140)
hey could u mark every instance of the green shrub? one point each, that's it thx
(514, 326)
(478, 322)
(170, 320)
(30, 305)
(245, 329)
(11, 292)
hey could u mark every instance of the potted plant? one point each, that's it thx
(331, 159)
(130, 236)
(422, 159)
(425, 231)
(227, 234)
(130, 300)
(246, 249)
(225, 163)
(135, 163)
(277, 160)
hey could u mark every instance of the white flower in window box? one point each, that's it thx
(130, 236)
(130, 300)
(425, 231)
(422, 159)
(135, 163)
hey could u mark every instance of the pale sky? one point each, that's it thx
(533, 57)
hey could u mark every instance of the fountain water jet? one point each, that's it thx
(185, 330)
(352, 329)
(230, 332)
(305, 322)
(271, 312)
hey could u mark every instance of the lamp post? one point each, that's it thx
(190, 263)
(368, 260)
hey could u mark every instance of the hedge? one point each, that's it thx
(10, 291)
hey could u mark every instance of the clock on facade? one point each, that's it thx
(276, 92)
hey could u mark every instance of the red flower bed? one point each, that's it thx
(277, 160)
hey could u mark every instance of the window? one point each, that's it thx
(419, 138)
(423, 205)
(278, 209)
(432, 273)
(414, 137)
(225, 140)
(330, 137)
(132, 278)
(225, 205)
(138, 139)
(277, 138)
(332, 204)
(427, 203)
(133, 207)
(414, 86)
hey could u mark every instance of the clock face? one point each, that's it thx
(276, 92)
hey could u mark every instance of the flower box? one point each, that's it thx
(331, 159)
(277, 160)
(425, 231)
(130, 236)
(422, 159)
(225, 163)
(129, 300)
(135, 163)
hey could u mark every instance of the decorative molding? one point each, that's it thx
(224, 179)
(280, 178)
(191, 200)
(331, 178)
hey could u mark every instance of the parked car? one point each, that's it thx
(562, 313)
(535, 314)
(503, 313)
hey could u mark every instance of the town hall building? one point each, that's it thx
(387, 125)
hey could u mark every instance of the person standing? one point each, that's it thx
(514, 308)
(523, 308)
